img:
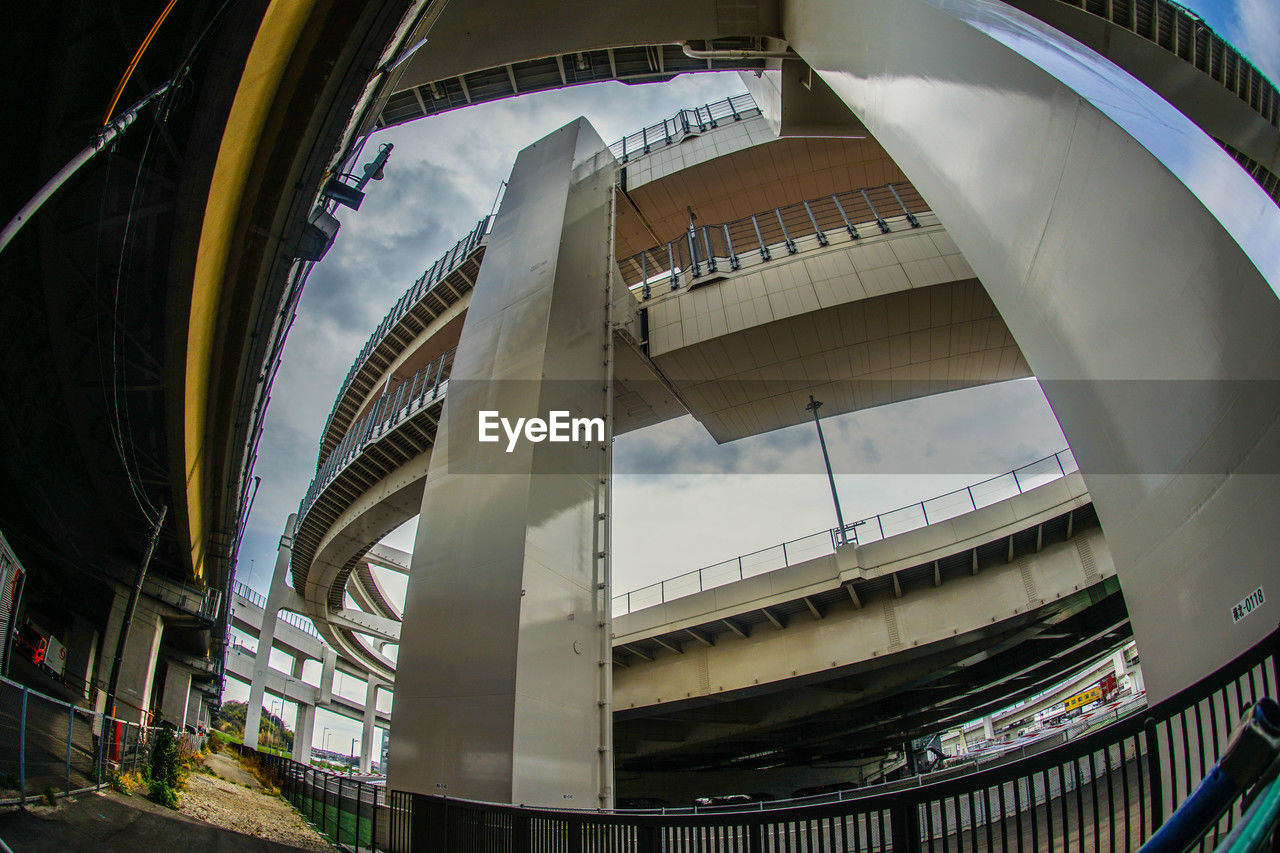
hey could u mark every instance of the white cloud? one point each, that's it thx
(1255, 30)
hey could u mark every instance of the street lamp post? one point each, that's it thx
(813, 406)
(274, 720)
(353, 755)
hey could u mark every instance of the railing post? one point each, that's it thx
(359, 802)
(671, 265)
(904, 826)
(764, 250)
(647, 838)
(791, 245)
(818, 232)
(22, 750)
(853, 232)
(522, 842)
(71, 721)
(728, 241)
(1058, 458)
(784, 554)
(972, 502)
(880, 223)
(1015, 480)
(739, 568)
(915, 223)
(1154, 776)
(373, 817)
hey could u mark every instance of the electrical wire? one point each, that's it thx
(133, 63)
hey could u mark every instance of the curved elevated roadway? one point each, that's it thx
(869, 304)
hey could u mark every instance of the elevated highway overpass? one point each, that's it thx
(1018, 145)
(858, 294)
(820, 654)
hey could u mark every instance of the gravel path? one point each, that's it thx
(233, 806)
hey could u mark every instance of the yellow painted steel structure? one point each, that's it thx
(274, 45)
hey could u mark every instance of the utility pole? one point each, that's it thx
(108, 710)
(813, 406)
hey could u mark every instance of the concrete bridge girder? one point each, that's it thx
(851, 635)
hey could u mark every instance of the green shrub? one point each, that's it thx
(165, 759)
(50, 796)
(163, 794)
(116, 783)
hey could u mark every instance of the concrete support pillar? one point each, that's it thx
(1120, 204)
(195, 709)
(141, 650)
(988, 728)
(82, 656)
(517, 542)
(370, 718)
(267, 634)
(304, 725)
(176, 696)
(1135, 678)
(328, 666)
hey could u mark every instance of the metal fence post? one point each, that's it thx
(904, 827)
(373, 817)
(1156, 779)
(71, 721)
(22, 750)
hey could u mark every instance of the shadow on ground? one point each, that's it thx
(111, 822)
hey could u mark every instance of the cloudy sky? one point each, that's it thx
(707, 503)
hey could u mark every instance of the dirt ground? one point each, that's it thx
(233, 799)
(224, 808)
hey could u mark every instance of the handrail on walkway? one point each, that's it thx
(881, 526)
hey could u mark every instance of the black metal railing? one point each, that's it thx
(727, 246)
(394, 405)
(686, 122)
(257, 599)
(353, 813)
(872, 529)
(437, 272)
(1107, 790)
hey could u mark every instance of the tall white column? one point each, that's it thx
(304, 725)
(370, 719)
(267, 634)
(516, 710)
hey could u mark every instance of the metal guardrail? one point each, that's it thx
(297, 620)
(686, 122)
(1109, 789)
(352, 813)
(198, 602)
(393, 406)
(725, 247)
(437, 272)
(49, 747)
(886, 524)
